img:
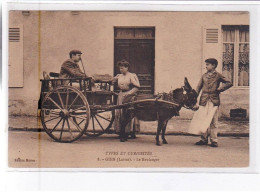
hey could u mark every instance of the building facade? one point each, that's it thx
(162, 48)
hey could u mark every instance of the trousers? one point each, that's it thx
(205, 121)
(212, 131)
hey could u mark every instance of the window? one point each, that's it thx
(134, 33)
(235, 58)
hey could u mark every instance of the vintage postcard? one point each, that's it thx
(119, 89)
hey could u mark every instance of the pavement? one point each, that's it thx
(29, 147)
(38, 150)
(176, 126)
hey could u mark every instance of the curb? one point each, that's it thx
(221, 134)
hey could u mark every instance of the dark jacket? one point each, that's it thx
(209, 84)
(70, 69)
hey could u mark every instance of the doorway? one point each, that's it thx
(136, 45)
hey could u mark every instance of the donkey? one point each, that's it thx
(180, 97)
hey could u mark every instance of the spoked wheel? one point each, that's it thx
(100, 122)
(65, 114)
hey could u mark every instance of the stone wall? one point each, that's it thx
(49, 36)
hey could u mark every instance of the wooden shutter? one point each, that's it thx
(212, 45)
(15, 59)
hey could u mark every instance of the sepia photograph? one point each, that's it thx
(128, 89)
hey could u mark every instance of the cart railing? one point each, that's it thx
(49, 84)
(84, 83)
(99, 92)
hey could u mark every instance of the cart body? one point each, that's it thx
(69, 106)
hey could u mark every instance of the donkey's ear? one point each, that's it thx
(187, 84)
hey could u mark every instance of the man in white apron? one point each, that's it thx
(205, 120)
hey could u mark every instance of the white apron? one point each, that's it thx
(202, 119)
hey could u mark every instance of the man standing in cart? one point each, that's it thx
(70, 67)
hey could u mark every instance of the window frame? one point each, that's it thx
(236, 53)
(134, 28)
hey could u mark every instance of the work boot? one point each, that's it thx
(123, 139)
(132, 136)
(201, 142)
(214, 144)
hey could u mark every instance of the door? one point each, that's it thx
(136, 45)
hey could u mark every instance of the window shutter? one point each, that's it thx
(14, 34)
(212, 45)
(15, 62)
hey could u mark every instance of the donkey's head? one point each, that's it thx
(185, 96)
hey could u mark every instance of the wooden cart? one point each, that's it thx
(71, 108)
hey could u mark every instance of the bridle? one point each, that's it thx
(160, 95)
(185, 98)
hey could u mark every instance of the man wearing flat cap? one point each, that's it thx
(70, 68)
(205, 120)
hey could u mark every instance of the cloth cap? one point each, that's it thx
(74, 52)
(212, 61)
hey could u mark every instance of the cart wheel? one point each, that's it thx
(65, 114)
(100, 122)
